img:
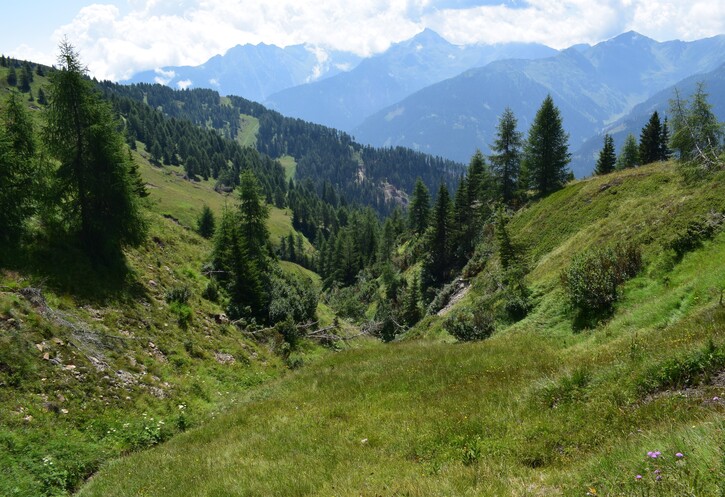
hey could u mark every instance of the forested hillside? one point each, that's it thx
(358, 173)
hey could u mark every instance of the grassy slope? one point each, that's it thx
(119, 362)
(538, 409)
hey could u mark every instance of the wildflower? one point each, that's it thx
(658, 471)
(659, 478)
(679, 455)
(638, 477)
(654, 454)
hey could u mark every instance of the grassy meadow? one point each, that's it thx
(630, 406)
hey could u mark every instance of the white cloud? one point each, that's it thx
(156, 33)
(184, 84)
(163, 77)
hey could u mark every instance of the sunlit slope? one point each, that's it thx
(538, 409)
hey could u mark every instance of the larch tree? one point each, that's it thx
(506, 159)
(607, 157)
(94, 183)
(696, 133)
(546, 153)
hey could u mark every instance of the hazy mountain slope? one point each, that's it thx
(586, 156)
(254, 71)
(599, 83)
(344, 100)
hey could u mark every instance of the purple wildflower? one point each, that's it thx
(658, 471)
(679, 455)
(638, 477)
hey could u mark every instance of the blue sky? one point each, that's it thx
(119, 37)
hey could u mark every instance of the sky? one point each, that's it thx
(117, 38)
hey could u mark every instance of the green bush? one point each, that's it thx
(468, 325)
(695, 233)
(179, 294)
(593, 277)
(211, 291)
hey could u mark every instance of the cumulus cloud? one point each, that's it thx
(157, 33)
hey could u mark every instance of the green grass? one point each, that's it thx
(538, 409)
(290, 166)
(248, 129)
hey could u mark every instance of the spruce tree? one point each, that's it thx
(12, 77)
(253, 214)
(607, 157)
(649, 140)
(629, 156)
(506, 159)
(419, 210)
(25, 78)
(546, 153)
(438, 242)
(93, 184)
(665, 153)
(205, 223)
(19, 179)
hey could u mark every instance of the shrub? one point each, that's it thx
(695, 233)
(179, 294)
(468, 325)
(592, 278)
(211, 291)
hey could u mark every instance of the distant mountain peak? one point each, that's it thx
(631, 37)
(427, 37)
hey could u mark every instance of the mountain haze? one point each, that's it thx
(254, 71)
(592, 86)
(346, 99)
(633, 122)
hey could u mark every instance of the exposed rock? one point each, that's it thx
(224, 358)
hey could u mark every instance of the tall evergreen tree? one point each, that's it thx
(546, 153)
(18, 178)
(419, 210)
(253, 214)
(506, 159)
(438, 242)
(665, 153)
(25, 79)
(94, 184)
(206, 222)
(12, 77)
(607, 157)
(629, 156)
(649, 140)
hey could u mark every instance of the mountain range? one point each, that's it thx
(428, 94)
(593, 87)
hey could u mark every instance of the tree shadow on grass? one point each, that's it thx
(58, 263)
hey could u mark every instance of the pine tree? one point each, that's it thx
(607, 157)
(94, 184)
(665, 153)
(19, 178)
(649, 140)
(412, 309)
(206, 222)
(506, 160)
(25, 78)
(546, 153)
(438, 242)
(419, 210)
(41, 97)
(253, 215)
(629, 156)
(12, 77)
